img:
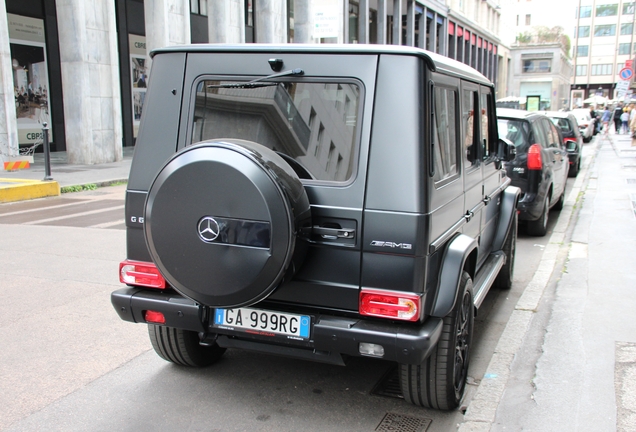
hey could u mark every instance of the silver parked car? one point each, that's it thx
(586, 123)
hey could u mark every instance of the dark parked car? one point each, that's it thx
(540, 168)
(318, 202)
(572, 138)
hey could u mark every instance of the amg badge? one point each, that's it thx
(391, 244)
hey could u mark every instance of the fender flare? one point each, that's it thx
(457, 252)
(509, 200)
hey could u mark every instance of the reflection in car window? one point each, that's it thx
(517, 131)
(468, 116)
(551, 133)
(445, 136)
(485, 134)
(540, 136)
(312, 125)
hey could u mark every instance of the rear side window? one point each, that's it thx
(551, 133)
(562, 123)
(312, 125)
(517, 131)
(445, 136)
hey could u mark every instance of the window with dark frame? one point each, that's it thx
(606, 10)
(445, 135)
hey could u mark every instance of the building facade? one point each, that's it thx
(542, 70)
(603, 47)
(83, 67)
(541, 56)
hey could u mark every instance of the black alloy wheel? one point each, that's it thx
(182, 347)
(539, 227)
(440, 380)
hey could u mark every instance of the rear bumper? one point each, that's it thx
(408, 344)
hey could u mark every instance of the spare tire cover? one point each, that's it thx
(221, 222)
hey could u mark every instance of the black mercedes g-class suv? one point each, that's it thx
(319, 202)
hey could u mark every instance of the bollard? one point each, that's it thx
(47, 153)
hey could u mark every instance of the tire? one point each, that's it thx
(574, 169)
(558, 206)
(505, 276)
(539, 227)
(440, 380)
(182, 347)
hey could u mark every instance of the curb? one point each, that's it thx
(482, 409)
(89, 186)
(12, 190)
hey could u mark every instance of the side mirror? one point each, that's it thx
(506, 150)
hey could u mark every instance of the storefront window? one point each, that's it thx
(139, 76)
(30, 77)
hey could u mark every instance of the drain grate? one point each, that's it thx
(632, 197)
(631, 181)
(403, 423)
(389, 385)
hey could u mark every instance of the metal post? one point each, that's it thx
(47, 153)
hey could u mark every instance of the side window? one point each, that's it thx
(553, 135)
(468, 124)
(539, 134)
(484, 142)
(445, 134)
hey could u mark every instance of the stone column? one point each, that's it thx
(8, 121)
(167, 24)
(303, 29)
(90, 81)
(270, 21)
(226, 21)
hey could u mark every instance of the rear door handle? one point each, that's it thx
(334, 233)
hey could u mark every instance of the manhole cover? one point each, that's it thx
(389, 385)
(403, 423)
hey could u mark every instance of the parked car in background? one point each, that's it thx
(540, 168)
(572, 139)
(585, 122)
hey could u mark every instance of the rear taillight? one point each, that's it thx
(140, 273)
(390, 304)
(154, 317)
(534, 157)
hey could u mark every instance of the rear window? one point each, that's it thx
(517, 131)
(562, 124)
(313, 125)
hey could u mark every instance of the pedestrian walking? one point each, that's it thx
(605, 119)
(632, 128)
(624, 121)
(618, 111)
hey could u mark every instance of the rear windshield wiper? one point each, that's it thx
(260, 82)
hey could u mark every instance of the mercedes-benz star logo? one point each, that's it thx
(208, 229)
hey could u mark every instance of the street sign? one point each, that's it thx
(625, 74)
(622, 86)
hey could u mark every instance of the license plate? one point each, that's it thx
(263, 323)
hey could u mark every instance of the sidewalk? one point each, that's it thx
(567, 358)
(28, 183)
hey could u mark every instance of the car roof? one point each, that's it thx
(518, 114)
(435, 62)
(557, 114)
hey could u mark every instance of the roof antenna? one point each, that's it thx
(276, 64)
